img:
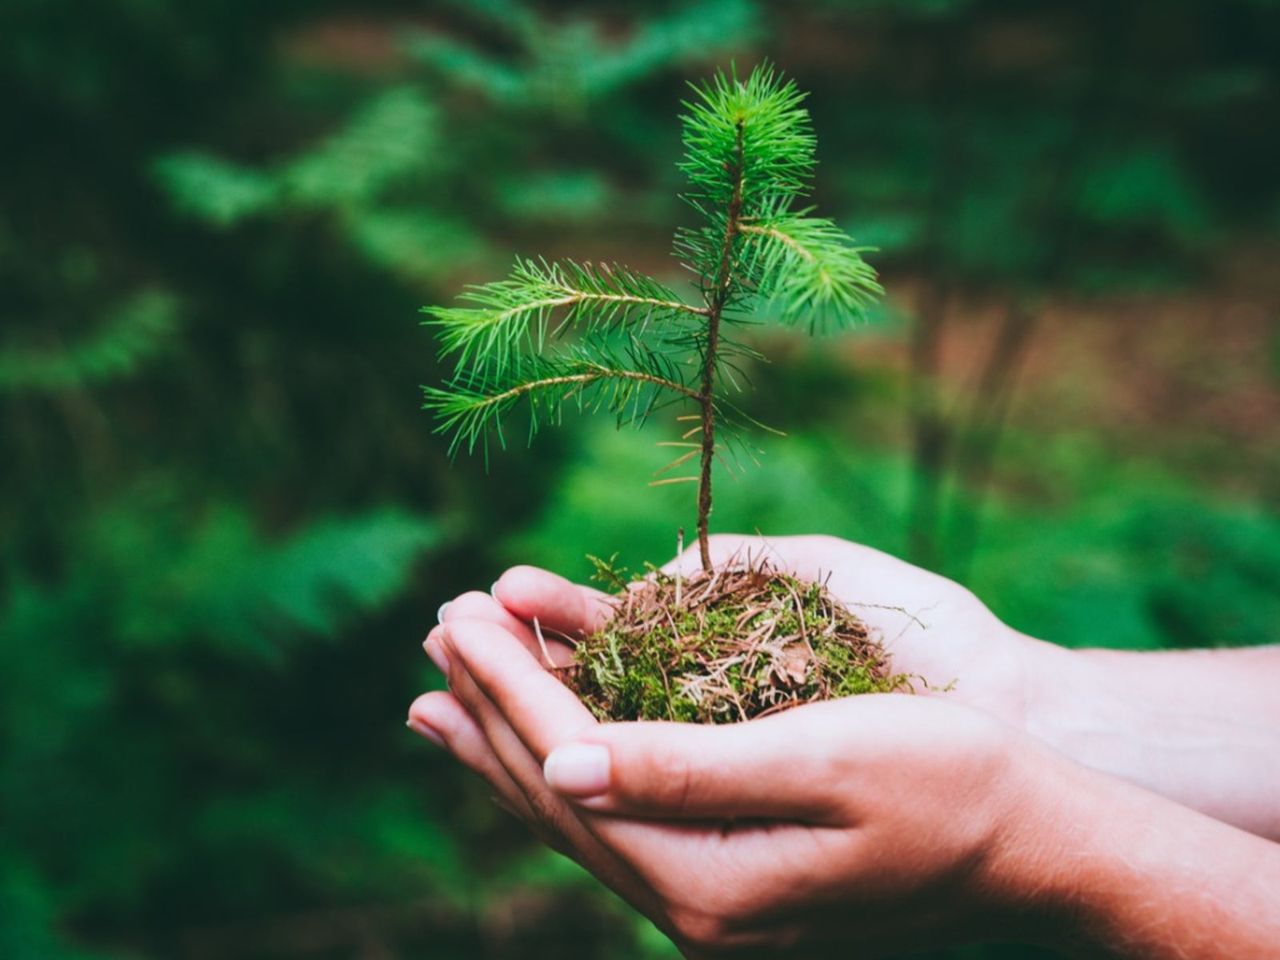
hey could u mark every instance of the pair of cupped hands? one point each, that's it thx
(882, 822)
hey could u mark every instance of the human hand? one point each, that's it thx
(889, 822)
(1198, 728)
(881, 822)
(932, 627)
(878, 824)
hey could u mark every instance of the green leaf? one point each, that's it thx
(565, 61)
(254, 592)
(137, 330)
(540, 300)
(466, 67)
(418, 244)
(629, 379)
(809, 270)
(1144, 187)
(688, 31)
(216, 191)
(749, 152)
(557, 196)
(754, 130)
(392, 137)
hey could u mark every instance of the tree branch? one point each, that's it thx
(603, 373)
(579, 296)
(780, 236)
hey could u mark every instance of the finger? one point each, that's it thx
(469, 743)
(541, 710)
(781, 767)
(558, 604)
(525, 712)
(551, 817)
(453, 728)
(481, 606)
(434, 647)
(497, 682)
(521, 766)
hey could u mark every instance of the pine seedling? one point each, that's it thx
(605, 337)
(639, 346)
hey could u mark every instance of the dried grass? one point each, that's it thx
(727, 646)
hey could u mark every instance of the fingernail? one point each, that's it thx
(435, 650)
(578, 769)
(493, 590)
(424, 731)
(440, 613)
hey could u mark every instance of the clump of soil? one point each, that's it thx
(726, 646)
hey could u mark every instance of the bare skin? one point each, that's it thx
(888, 821)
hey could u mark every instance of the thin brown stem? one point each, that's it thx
(706, 396)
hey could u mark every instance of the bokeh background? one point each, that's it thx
(225, 525)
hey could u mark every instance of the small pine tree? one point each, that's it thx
(749, 157)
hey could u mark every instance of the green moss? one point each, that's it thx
(723, 648)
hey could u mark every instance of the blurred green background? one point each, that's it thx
(225, 525)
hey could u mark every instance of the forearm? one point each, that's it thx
(1132, 875)
(1239, 684)
(1166, 722)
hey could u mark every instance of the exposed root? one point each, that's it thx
(731, 645)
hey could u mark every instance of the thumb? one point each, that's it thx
(773, 768)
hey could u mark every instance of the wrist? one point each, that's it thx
(1090, 864)
(1141, 876)
(1072, 707)
(1072, 845)
(1079, 708)
(1086, 706)
(1034, 888)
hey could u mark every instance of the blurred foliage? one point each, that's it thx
(351, 175)
(225, 525)
(130, 334)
